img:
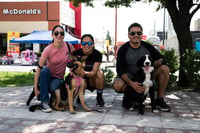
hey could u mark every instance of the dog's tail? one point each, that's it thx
(32, 108)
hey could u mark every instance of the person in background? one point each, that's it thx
(127, 57)
(93, 75)
(51, 76)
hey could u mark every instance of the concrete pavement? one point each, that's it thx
(16, 118)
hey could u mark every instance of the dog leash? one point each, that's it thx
(97, 110)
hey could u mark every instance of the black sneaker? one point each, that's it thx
(46, 108)
(100, 101)
(160, 103)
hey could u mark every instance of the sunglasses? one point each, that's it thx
(133, 33)
(61, 33)
(88, 43)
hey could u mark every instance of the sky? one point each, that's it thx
(98, 20)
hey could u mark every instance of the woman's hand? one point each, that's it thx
(37, 92)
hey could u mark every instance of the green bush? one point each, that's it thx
(109, 76)
(192, 68)
(172, 61)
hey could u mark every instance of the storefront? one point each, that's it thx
(25, 17)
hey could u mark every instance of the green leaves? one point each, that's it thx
(109, 76)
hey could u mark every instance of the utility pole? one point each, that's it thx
(164, 28)
(116, 31)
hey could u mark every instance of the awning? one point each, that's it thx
(43, 37)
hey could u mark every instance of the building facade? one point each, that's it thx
(26, 16)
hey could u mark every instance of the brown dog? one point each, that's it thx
(60, 93)
(75, 83)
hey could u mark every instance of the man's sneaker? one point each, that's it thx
(160, 103)
(46, 108)
(100, 101)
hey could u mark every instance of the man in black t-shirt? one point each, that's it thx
(127, 57)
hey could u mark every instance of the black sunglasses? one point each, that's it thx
(57, 32)
(133, 33)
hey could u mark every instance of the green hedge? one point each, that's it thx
(192, 68)
(172, 60)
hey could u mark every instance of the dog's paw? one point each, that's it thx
(72, 112)
(131, 109)
(155, 111)
(59, 109)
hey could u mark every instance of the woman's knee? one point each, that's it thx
(45, 71)
(45, 75)
(100, 74)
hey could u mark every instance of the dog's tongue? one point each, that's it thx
(146, 68)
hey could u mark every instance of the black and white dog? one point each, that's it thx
(146, 66)
(144, 76)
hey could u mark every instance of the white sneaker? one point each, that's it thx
(46, 108)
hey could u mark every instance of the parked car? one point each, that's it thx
(0, 61)
(7, 60)
(155, 41)
(28, 57)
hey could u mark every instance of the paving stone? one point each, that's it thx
(3, 127)
(11, 121)
(131, 129)
(187, 115)
(194, 132)
(174, 131)
(64, 130)
(183, 111)
(88, 126)
(152, 130)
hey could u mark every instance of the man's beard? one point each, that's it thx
(135, 43)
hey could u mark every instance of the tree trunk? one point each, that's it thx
(181, 20)
(185, 42)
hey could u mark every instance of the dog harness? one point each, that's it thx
(78, 79)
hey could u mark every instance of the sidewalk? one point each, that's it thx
(15, 117)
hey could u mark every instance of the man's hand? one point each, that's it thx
(157, 63)
(137, 87)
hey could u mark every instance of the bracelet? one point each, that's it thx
(40, 67)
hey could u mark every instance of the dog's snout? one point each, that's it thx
(147, 63)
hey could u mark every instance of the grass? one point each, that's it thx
(16, 79)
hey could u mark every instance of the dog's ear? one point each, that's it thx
(140, 62)
(70, 63)
(75, 66)
(151, 59)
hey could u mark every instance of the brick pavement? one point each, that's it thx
(15, 117)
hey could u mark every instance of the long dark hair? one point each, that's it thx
(56, 26)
